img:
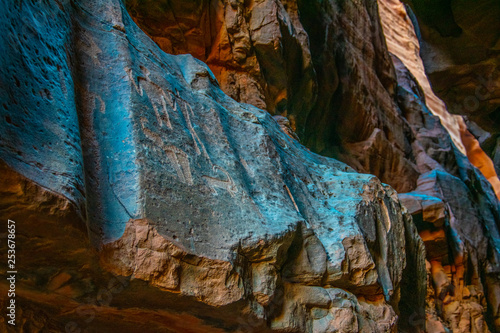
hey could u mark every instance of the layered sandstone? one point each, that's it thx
(456, 220)
(258, 50)
(403, 42)
(323, 65)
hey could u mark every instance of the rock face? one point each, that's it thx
(192, 197)
(403, 42)
(305, 68)
(147, 199)
(460, 45)
(456, 222)
(451, 217)
(326, 70)
(258, 50)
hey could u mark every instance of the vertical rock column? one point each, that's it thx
(105, 99)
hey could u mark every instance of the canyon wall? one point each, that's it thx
(214, 166)
(460, 50)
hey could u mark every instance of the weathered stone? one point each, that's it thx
(208, 215)
(460, 52)
(431, 208)
(450, 213)
(258, 50)
(459, 40)
(203, 205)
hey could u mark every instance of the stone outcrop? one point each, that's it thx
(326, 70)
(153, 192)
(403, 42)
(258, 50)
(327, 62)
(201, 206)
(456, 218)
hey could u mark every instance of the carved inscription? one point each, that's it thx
(62, 81)
(227, 184)
(92, 99)
(89, 47)
(196, 139)
(179, 159)
(156, 95)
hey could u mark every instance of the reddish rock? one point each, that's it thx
(258, 50)
(460, 47)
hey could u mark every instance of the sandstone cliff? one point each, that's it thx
(174, 166)
(460, 50)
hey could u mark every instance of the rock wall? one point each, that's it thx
(432, 205)
(155, 193)
(258, 50)
(402, 41)
(205, 207)
(460, 45)
(327, 71)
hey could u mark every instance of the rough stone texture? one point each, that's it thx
(460, 50)
(322, 64)
(460, 42)
(456, 217)
(202, 213)
(403, 42)
(258, 50)
(456, 213)
(479, 158)
(149, 200)
(461, 261)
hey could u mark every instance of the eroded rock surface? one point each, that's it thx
(456, 211)
(155, 201)
(321, 64)
(258, 50)
(200, 211)
(460, 45)
(403, 41)
(455, 215)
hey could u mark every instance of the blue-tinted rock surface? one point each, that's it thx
(205, 199)
(148, 200)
